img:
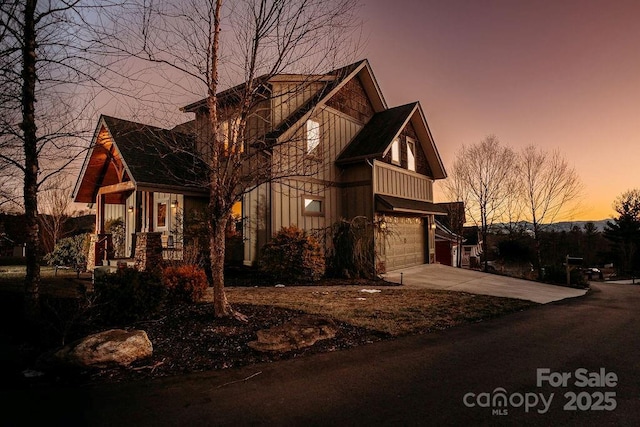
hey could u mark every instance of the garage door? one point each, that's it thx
(406, 242)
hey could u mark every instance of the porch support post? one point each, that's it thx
(150, 211)
(100, 206)
(138, 212)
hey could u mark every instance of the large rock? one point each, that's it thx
(108, 348)
(303, 331)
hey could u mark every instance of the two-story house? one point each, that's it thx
(369, 160)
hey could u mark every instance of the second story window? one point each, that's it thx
(313, 135)
(395, 151)
(228, 134)
(411, 155)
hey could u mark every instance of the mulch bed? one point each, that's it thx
(189, 339)
(186, 338)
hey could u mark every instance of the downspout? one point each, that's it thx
(373, 214)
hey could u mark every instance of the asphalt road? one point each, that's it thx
(446, 378)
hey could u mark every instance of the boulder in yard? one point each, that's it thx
(108, 348)
(303, 331)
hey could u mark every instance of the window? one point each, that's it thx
(395, 151)
(228, 134)
(161, 214)
(411, 155)
(313, 206)
(236, 217)
(313, 135)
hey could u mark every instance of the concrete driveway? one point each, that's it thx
(437, 276)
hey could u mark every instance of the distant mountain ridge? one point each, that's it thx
(568, 225)
(560, 226)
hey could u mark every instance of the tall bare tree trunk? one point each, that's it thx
(221, 306)
(538, 247)
(32, 278)
(218, 211)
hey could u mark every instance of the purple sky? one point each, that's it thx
(558, 74)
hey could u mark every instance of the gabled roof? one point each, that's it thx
(333, 81)
(377, 134)
(150, 156)
(375, 138)
(154, 155)
(227, 96)
(362, 69)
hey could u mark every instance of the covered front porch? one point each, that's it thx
(129, 220)
(141, 182)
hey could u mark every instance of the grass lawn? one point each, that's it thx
(393, 310)
(63, 284)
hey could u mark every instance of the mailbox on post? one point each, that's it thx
(573, 261)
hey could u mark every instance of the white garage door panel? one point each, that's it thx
(406, 243)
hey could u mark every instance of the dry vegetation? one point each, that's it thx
(393, 310)
(207, 343)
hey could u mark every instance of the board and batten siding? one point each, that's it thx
(318, 176)
(392, 180)
(357, 191)
(287, 97)
(256, 222)
(112, 212)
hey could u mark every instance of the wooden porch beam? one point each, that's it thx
(117, 188)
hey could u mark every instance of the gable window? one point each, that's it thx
(395, 151)
(411, 154)
(313, 135)
(312, 206)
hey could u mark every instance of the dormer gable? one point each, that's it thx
(405, 124)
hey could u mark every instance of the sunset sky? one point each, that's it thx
(558, 74)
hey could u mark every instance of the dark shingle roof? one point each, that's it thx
(232, 95)
(374, 138)
(156, 156)
(399, 204)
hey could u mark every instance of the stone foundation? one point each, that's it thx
(148, 251)
(97, 245)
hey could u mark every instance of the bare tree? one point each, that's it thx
(54, 200)
(513, 213)
(45, 63)
(551, 187)
(200, 43)
(481, 177)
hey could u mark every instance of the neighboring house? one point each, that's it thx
(472, 247)
(373, 161)
(449, 237)
(448, 246)
(9, 249)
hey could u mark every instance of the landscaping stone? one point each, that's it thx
(303, 331)
(105, 349)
